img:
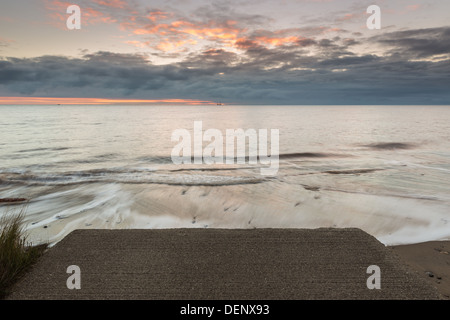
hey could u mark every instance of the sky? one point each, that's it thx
(234, 52)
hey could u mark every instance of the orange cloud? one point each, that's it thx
(178, 28)
(213, 33)
(243, 43)
(149, 29)
(112, 3)
(413, 7)
(351, 17)
(91, 16)
(166, 31)
(167, 45)
(95, 101)
(57, 12)
(57, 5)
(280, 37)
(157, 15)
(274, 41)
(173, 35)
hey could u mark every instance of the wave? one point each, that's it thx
(156, 159)
(209, 169)
(43, 149)
(352, 171)
(282, 156)
(124, 176)
(390, 145)
(383, 194)
(161, 160)
(305, 155)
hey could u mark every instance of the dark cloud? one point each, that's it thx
(422, 43)
(284, 74)
(224, 11)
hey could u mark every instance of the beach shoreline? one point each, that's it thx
(431, 261)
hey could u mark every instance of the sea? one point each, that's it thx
(382, 169)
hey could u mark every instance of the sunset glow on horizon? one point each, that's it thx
(95, 101)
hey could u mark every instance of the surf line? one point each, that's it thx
(235, 147)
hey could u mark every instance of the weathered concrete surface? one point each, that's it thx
(221, 264)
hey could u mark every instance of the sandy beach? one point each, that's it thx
(230, 264)
(431, 260)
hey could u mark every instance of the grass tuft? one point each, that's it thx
(16, 253)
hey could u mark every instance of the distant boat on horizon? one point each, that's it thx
(220, 104)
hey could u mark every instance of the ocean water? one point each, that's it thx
(383, 169)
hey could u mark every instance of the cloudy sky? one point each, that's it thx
(236, 52)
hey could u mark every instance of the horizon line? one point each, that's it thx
(188, 102)
(96, 101)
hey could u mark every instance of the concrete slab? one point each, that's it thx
(221, 264)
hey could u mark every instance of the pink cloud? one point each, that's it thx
(112, 3)
(413, 7)
(57, 12)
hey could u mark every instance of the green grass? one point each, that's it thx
(17, 255)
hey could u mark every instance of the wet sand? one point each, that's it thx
(431, 260)
(222, 264)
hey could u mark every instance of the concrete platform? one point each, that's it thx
(221, 264)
